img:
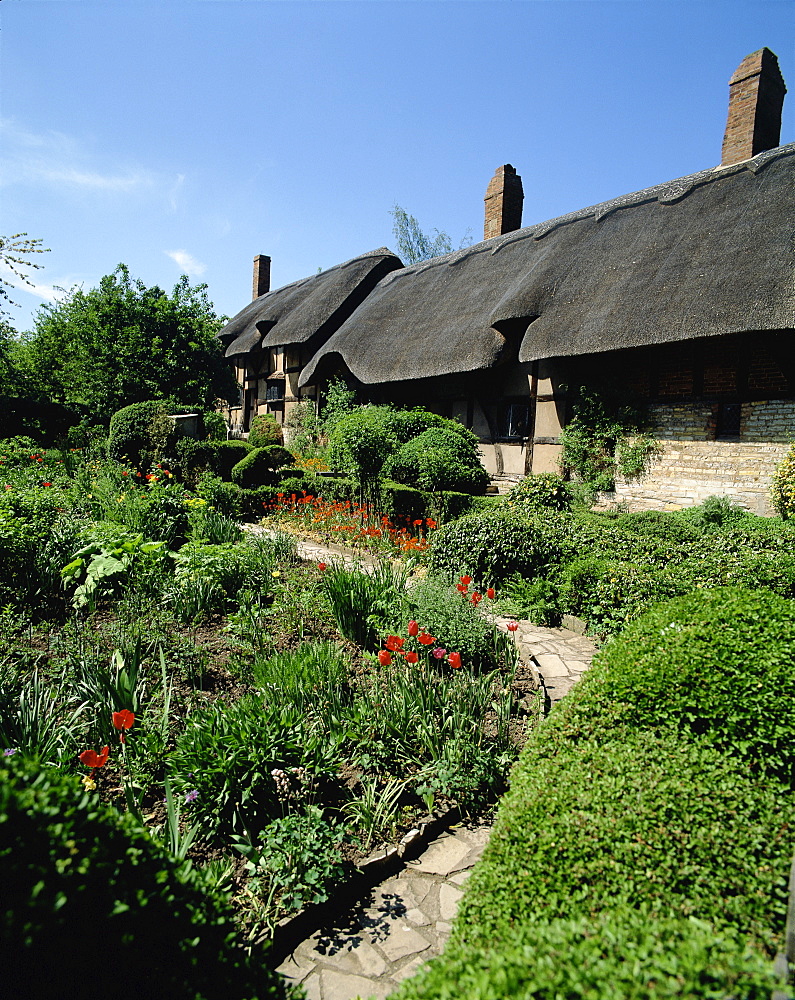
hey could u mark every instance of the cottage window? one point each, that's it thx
(274, 392)
(516, 420)
(728, 420)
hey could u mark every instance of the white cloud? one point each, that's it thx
(47, 293)
(186, 262)
(176, 187)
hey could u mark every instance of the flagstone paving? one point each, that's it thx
(406, 919)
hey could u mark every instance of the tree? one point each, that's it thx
(123, 343)
(414, 245)
(14, 251)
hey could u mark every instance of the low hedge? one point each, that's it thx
(91, 903)
(226, 455)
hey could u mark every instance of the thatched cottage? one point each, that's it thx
(684, 293)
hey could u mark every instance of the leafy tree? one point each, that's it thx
(124, 343)
(14, 252)
(414, 245)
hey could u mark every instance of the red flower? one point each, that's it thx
(454, 659)
(477, 598)
(394, 643)
(411, 657)
(93, 759)
(417, 523)
(322, 567)
(462, 588)
(123, 720)
(512, 626)
(46, 484)
(430, 522)
(125, 473)
(384, 658)
(466, 580)
(490, 593)
(425, 639)
(413, 628)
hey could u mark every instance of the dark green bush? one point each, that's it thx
(90, 902)
(544, 491)
(718, 664)
(189, 459)
(360, 443)
(214, 426)
(226, 455)
(492, 546)
(438, 459)
(259, 466)
(265, 430)
(401, 503)
(224, 497)
(140, 433)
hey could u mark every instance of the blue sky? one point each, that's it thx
(190, 135)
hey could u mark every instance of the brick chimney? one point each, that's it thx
(504, 198)
(262, 276)
(756, 96)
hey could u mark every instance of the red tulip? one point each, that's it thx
(430, 522)
(413, 628)
(462, 588)
(477, 598)
(512, 626)
(466, 580)
(425, 639)
(490, 593)
(93, 759)
(384, 658)
(322, 567)
(394, 643)
(411, 657)
(454, 659)
(123, 720)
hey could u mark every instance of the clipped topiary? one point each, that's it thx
(91, 902)
(438, 459)
(265, 430)
(782, 488)
(544, 491)
(140, 433)
(494, 545)
(259, 466)
(719, 664)
(226, 455)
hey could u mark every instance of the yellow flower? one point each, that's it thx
(276, 574)
(89, 784)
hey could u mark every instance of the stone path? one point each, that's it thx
(406, 919)
(398, 926)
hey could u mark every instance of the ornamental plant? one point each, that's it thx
(782, 488)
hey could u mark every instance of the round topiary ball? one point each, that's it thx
(265, 430)
(716, 663)
(543, 491)
(438, 459)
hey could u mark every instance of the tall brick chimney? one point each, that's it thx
(756, 96)
(262, 276)
(504, 199)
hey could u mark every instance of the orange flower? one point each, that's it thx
(454, 659)
(93, 759)
(430, 522)
(476, 598)
(411, 657)
(425, 639)
(394, 643)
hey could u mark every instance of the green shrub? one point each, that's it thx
(140, 433)
(189, 459)
(492, 546)
(258, 468)
(365, 603)
(401, 503)
(264, 431)
(651, 819)
(782, 488)
(438, 459)
(223, 497)
(360, 443)
(215, 428)
(544, 491)
(624, 954)
(89, 902)
(717, 664)
(226, 455)
(716, 510)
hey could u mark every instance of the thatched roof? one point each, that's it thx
(296, 312)
(704, 255)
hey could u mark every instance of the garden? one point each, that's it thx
(203, 734)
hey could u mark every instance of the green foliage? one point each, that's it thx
(214, 425)
(338, 399)
(259, 466)
(363, 602)
(782, 487)
(122, 343)
(296, 860)
(225, 498)
(360, 442)
(105, 562)
(625, 954)
(312, 677)
(140, 433)
(605, 437)
(413, 244)
(536, 600)
(717, 664)
(265, 430)
(438, 459)
(399, 503)
(492, 546)
(73, 867)
(227, 454)
(190, 458)
(544, 491)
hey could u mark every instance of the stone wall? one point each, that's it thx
(694, 466)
